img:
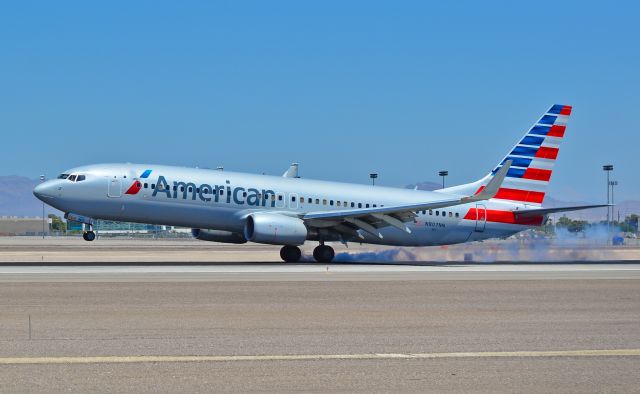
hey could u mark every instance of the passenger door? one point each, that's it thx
(481, 217)
(293, 201)
(114, 188)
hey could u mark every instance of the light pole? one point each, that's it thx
(613, 183)
(443, 174)
(373, 177)
(42, 179)
(608, 168)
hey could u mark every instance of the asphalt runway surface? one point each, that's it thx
(224, 326)
(512, 329)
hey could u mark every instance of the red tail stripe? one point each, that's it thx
(566, 110)
(556, 131)
(545, 152)
(520, 195)
(497, 216)
(537, 174)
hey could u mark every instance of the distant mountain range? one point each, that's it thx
(17, 199)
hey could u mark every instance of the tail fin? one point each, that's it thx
(532, 159)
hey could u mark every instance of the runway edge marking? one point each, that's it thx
(314, 357)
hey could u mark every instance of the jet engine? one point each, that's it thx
(276, 229)
(218, 236)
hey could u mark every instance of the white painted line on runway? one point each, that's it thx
(315, 357)
(311, 268)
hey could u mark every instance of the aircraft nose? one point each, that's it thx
(43, 190)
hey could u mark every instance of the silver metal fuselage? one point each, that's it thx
(103, 195)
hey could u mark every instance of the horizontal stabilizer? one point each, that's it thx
(545, 211)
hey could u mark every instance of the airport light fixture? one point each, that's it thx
(612, 184)
(373, 177)
(608, 168)
(443, 174)
(42, 179)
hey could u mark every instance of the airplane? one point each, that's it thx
(286, 210)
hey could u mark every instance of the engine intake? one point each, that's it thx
(275, 229)
(218, 236)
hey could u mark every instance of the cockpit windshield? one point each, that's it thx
(73, 177)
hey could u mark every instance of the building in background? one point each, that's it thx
(12, 225)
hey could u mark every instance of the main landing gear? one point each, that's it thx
(290, 254)
(322, 253)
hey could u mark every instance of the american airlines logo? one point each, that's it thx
(215, 193)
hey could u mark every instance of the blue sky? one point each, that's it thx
(345, 88)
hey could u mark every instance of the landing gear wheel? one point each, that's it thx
(323, 254)
(89, 236)
(290, 254)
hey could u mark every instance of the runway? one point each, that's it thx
(267, 272)
(229, 326)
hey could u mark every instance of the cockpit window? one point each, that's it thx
(72, 178)
(63, 176)
(80, 178)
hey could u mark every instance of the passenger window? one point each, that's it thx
(424, 212)
(430, 212)
(244, 194)
(175, 188)
(457, 214)
(72, 178)
(367, 205)
(293, 198)
(279, 197)
(450, 214)
(190, 189)
(317, 201)
(153, 185)
(310, 200)
(359, 205)
(353, 205)
(338, 203)
(331, 202)
(273, 197)
(221, 192)
(345, 203)
(374, 205)
(146, 185)
(301, 200)
(324, 202)
(437, 213)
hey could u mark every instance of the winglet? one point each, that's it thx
(292, 171)
(493, 186)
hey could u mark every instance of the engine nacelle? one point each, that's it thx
(275, 229)
(218, 236)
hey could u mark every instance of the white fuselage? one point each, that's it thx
(221, 200)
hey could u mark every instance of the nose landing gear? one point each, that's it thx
(89, 235)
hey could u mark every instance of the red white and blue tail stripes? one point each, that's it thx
(533, 158)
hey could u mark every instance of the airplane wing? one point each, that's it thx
(370, 219)
(544, 211)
